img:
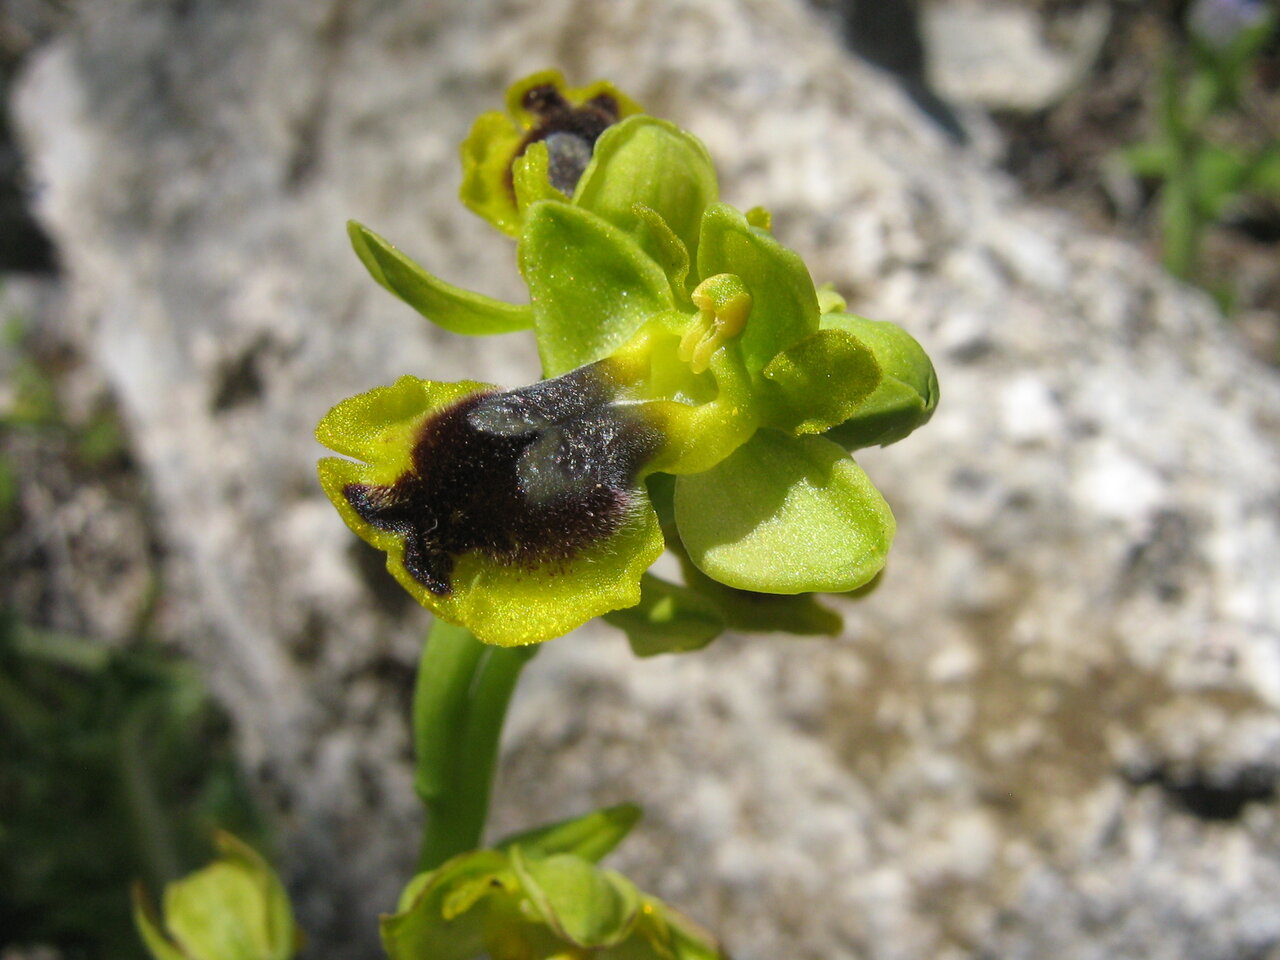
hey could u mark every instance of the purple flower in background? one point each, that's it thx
(1219, 22)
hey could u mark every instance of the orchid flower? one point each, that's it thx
(701, 394)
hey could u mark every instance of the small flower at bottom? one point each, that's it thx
(515, 905)
(234, 909)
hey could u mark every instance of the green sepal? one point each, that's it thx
(502, 604)
(908, 390)
(582, 904)
(151, 929)
(668, 619)
(234, 909)
(591, 836)
(820, 381)
(784, 303)
(785, 515)
(447, 306)
(651, 162)
(592, 286)
(746, 611)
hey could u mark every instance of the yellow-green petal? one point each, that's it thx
(657, 239)
(447, 306)
(530, 178)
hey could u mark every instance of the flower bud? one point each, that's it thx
(562, 121)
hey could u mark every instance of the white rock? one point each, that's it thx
(1103, 463)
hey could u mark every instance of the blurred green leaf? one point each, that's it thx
(117, 753)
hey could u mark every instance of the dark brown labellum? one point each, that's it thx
(524, 476)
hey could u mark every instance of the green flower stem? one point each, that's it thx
(1180, 208)
(448, 663)
(460, 703)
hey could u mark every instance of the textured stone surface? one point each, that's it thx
(998, 54)
(1052, 731)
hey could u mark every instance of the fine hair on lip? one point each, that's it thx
(524, 477)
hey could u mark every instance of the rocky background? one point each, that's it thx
(1054, 730)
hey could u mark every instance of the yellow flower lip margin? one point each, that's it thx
(519, 515)
(497, 139)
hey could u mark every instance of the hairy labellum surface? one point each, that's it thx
(524, 476)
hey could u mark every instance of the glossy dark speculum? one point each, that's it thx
(524, 477)
(570, 132)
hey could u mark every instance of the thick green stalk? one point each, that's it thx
(448, 663)
(460, 703)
